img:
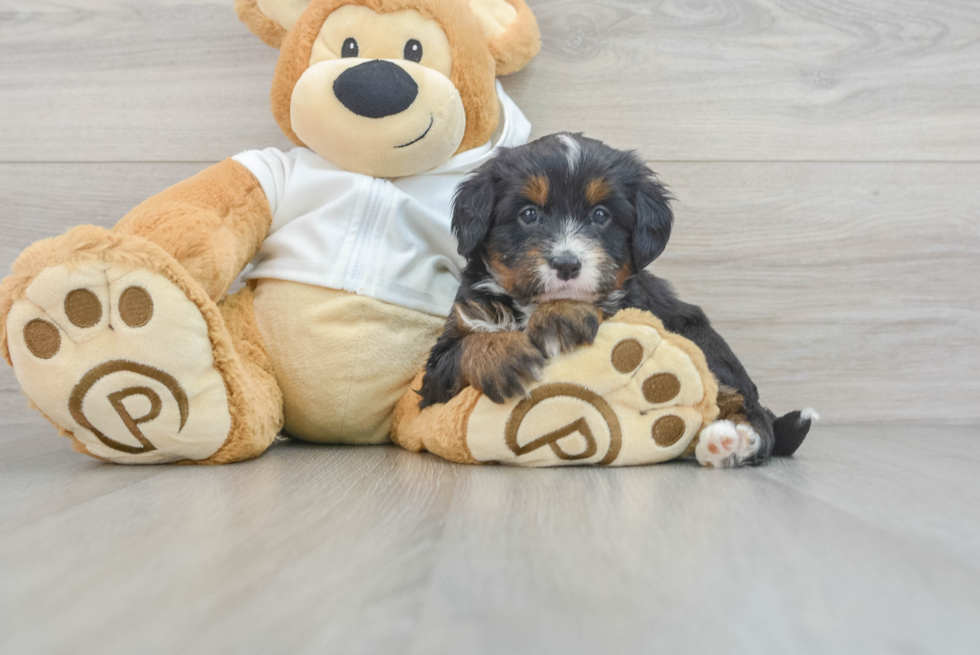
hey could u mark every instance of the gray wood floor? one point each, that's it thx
(825, 158)
(865, 543)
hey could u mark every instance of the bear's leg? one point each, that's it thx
(440, 429)
(342, 360)
(259, 404)
(637, 395)
(119, 347)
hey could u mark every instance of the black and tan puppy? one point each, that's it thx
(556, 235)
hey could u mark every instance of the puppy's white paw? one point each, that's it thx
(724, 444)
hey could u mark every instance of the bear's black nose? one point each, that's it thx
(568, 266)
(376, 89)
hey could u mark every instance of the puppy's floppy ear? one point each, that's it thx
(511, 30)
(473, 211)
(270, 19)
(654, 220)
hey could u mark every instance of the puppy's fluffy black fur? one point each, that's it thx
(556, 234)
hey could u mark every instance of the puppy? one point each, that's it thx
(557, 234)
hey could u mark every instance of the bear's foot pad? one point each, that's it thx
(638, 395)
(120, 359)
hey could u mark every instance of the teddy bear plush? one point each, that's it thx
(129, 343)
(126, 339)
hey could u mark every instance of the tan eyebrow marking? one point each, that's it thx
(536, 189)
(597, 190)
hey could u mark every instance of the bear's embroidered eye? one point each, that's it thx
(349, 48)
(600, 216)
(528, 215)
(413, 51)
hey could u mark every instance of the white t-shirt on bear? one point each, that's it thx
(388, 239)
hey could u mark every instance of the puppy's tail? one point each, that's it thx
(790, 431)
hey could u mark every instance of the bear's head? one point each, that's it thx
(390, 88)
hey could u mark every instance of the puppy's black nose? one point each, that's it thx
(567, 266)
(376, 89)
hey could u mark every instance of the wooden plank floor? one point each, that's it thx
(824, 156)
(864, 543)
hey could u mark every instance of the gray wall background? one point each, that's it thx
(825, 157)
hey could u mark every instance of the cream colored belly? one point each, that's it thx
(342, 360)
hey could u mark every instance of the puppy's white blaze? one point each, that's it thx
(480, 320)
(809, 414)
(583, 287)
(573, 151)
(554, 288)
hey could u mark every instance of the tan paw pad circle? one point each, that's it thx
(668, 430)
(661, 388)
(135, 307)
(627, 355)
(82, 307)
(42, 338)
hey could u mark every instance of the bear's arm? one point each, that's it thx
(213, 223)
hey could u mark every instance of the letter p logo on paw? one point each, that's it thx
(116, 401)
(596, 428)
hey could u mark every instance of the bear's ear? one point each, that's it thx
(511, 31)
(270, 19)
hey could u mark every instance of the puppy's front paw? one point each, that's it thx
(500, 364)
(562, 326)
(725, 444)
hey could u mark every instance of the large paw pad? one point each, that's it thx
(633, 397)
(123, 361)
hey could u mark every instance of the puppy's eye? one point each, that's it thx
(413, 51)
(528, 215)
(600, 216)
(349, 49)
